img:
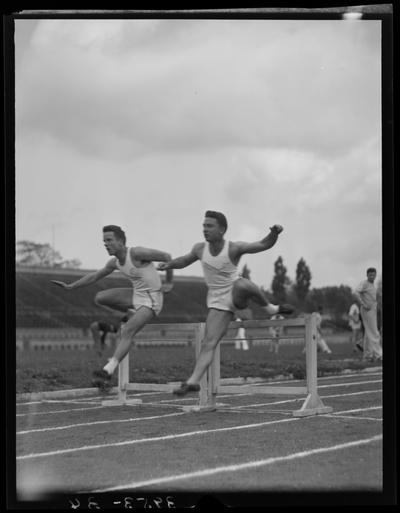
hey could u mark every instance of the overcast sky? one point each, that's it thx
(148, 123)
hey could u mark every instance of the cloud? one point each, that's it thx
(148, 123)
(198, 85)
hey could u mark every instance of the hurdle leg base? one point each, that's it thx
(313, 405)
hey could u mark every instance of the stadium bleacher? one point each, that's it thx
(48, 316)
(45, 312)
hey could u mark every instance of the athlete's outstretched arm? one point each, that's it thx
(182, 261)
(90, 278)
(262, 245)
(151, 255)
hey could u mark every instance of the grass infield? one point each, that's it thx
(65, 369)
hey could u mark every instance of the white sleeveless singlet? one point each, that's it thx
(146, 284)
(220, 274)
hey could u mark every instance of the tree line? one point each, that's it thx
(335, 300)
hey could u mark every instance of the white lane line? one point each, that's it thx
(227, 396)
(233, 409)
(255, 405)
(263, 383)
(97, 422)
(354, 417)
(240, 466)
(165, 437)
(356, 410)
(332, 385)
(58, 411)
(154, 439)
(237, 407)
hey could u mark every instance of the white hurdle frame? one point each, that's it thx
(123, 375)
(210, 384)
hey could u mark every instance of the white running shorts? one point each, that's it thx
(151, 299)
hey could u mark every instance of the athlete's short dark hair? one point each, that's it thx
(221, 219)
(117, 230)
(371, 270)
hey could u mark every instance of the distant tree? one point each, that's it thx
(303, 279)
(69, 264)
(280, 281)
(43, 255)
(245, 272)
(336, 302)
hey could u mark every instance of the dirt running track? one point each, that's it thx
(146, 455)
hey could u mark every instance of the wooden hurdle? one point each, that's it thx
(125, 386)
(210, 385)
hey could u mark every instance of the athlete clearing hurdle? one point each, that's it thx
(227, 291)
(142, 303)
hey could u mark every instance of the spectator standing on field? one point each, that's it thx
(356, 327)
(276, 333)
(240, 338)
(366, 294)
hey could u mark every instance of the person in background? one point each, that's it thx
(276, 333)
(356, 327)
(101, 331)
(322, 345)
(366, 295)
(240, 338)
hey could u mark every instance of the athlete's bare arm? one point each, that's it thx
(240, 248)
(185, 260)
(150, 255)
(155, 255)
(90, 278)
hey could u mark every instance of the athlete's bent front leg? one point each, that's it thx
(140, 318)
(119, 299)
(217, 324)
(102, 377)
(243, 290)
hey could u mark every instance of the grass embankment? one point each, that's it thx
(65, 369)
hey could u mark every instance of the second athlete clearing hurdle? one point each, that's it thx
(142, 302)
(227, 291)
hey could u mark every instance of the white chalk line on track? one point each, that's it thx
(98, 422)
(58, 411)
(165, 437)
(224, 396)
(285, 401)
(239, 466)
(332, 385)
(263, 383)
(153, 439)
(356, 410)
(227, 409)
(356, 418)
(255, 405)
